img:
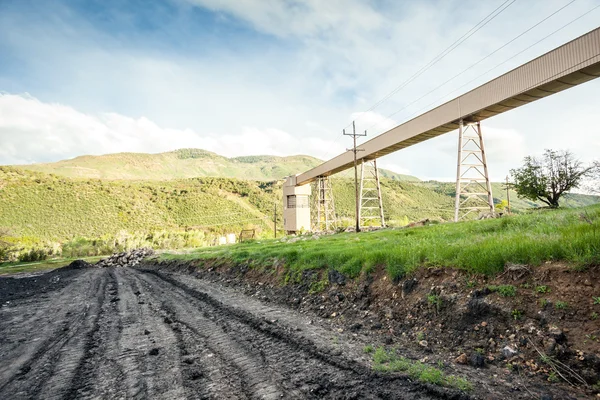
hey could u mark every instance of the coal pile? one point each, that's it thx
(126, 259)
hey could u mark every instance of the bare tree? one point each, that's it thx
(548, 178)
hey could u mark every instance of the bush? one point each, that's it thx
(33, 255)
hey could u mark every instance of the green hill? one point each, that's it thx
(183, 163)
(76, 217)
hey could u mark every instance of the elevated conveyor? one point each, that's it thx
(569, 65)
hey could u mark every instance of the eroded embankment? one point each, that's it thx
(151, 333)
(529, 332)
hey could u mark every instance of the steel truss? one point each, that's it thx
(371, 204)
(473, 188)
(324, 213)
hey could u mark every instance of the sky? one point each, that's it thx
(280, 77)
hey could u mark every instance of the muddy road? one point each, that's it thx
(122, 333)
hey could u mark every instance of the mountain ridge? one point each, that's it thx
(182, 164)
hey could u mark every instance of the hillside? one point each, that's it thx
(184, 163)
(103, 215)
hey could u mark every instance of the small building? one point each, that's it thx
(296, 206)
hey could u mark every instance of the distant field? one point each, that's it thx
(482, 247)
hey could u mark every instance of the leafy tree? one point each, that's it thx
(5, 246)
(548, 178)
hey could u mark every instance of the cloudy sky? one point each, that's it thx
(283, 77)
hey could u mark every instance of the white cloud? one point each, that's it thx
(329, 61)
(33, 131)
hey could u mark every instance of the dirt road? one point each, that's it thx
(116, 333)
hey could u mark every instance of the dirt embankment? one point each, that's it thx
(530, 333)
(86, 332)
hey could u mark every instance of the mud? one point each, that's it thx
(448, 319)
(117, 333)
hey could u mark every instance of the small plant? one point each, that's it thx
(594, 316)
(517, 314)
(479, 350)
(504, 290)
(543, 303)
(384, 361)
(510, 367)
(526, 286)
(596, 300)
(561, 305)
(368, 349)
(542, 289)
(471, 284)
(420, 336)
(435, 300)
(318, 286)
(552, 377)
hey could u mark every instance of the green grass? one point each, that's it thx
(27, 267)
(389, 361)
(504, 290)
(483, 247)
(543, 289)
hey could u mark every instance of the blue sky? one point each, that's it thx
(272, 77)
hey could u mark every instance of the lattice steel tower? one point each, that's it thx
(473, 188)
(324, 213)
(371, 204)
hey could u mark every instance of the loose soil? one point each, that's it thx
(505, 346)
(84, 332)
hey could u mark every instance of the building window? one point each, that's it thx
(291, 201)
(295, 201)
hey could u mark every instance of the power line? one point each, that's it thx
(444, 53)
(505, 61)
(478, 62)
(436, 59)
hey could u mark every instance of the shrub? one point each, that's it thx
(542, 289)
(504, 290)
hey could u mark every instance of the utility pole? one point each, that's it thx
(275, 221)
(508, 194)
(355, 150)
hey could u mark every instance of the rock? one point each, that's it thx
(462, 359)
(477, 360)
(423, 343)
(409, 285)
(509, 352)
(154, 351)
(557, 334)
(484, 324)
(550, 346)
(336, 277)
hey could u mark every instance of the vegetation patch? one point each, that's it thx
(481, 247)
(389, 361)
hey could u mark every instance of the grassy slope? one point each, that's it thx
(54, 208)
(499, 191)
(184, 163)
(571, 235)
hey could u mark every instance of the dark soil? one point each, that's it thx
(116, 333)
(21, 288)
(506, 346)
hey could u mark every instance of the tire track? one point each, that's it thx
(295, 367)
(39, 368)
